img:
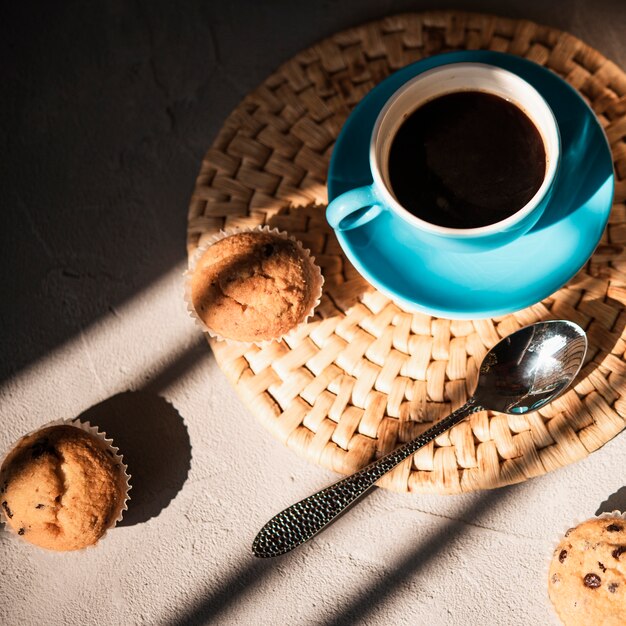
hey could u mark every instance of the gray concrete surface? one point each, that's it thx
(107, 109)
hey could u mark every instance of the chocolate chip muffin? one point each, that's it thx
(587, 579)
(61, 488)
(253, 286)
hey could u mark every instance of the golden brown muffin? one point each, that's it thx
(61, 488)
(587, 580)
(254, 286)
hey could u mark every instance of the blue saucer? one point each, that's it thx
(485, 284)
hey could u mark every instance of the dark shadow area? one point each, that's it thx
(151, 435)
(102, 163)
(586, 167)
(602, 333)
(180, 366)
(615, 502)
(106, 129)
(153, 438)
(230, 591)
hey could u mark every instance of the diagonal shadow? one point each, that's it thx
(410, 565)
(229, 591)
(254, 571)
(602, 335)
(152, 436)
(183, 363)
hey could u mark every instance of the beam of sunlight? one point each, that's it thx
(130, 349)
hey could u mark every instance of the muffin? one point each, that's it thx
(62, 487)
(253, 286)
(587, 579)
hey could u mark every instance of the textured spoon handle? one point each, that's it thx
(302, 520)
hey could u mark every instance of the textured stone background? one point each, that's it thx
(107, 109)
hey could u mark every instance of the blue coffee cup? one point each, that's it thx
(358, 206)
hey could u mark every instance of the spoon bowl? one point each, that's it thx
(521, 373)
(531, 367)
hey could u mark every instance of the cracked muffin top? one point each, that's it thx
(61, 488)
(587, 580)
(254, 286)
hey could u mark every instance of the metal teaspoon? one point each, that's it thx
(521, 373)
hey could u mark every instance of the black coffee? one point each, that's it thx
(466, 159)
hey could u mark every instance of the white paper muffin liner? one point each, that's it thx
(316, 287)
(558, 538)
(107, 445)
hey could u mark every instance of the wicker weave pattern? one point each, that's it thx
(365, 376)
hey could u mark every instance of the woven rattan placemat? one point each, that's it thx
(365, 376)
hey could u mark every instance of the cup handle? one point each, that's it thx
(351, 201)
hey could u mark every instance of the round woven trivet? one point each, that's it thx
(364, 375)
